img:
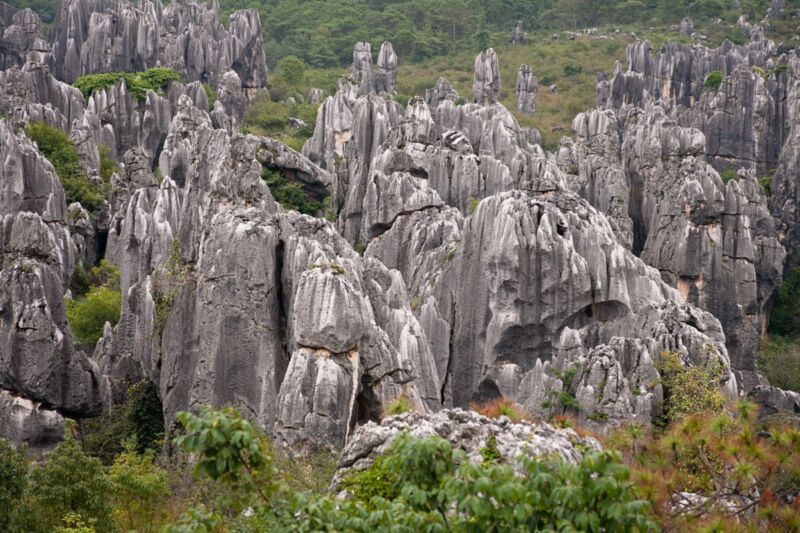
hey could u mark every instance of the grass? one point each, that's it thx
(501, 407)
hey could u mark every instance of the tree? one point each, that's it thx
(72, 482)
(138, 488)
(13, 484)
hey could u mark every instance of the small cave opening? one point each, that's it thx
(487, 391)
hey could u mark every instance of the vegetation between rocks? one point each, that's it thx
(138, 83)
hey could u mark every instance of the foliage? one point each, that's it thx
(138, 422)
(501, 407)
(785, 317)
(473, 205)
(108, 165)
(101, 303)
(13, 484)
(138, 83)
(765, 182)
(727, 174)
(72, 482)
(401, 404)
(88, 315)
(289, 194)
(138, 487)
(689, 390)
(713, 80)
(272, 120)
(211, 95)
(779, 361)
(746, 476)
(228, 449)
(57, 147)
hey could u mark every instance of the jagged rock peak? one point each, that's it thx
(185, 36)
(486, 78)
(21, 39)
(369, 81)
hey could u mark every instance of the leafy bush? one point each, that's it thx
(419, 484)
(211, 94)
(689, 390)
(138, 83)
(779, 361)
(785, 317)
(88, 315)
(289, 194)
(56, 146)
(13, 485)
(108, 165)
(138, 422)
(72, 482)
(138, 488)
(713, 80)
(96, 300)
(727, 174)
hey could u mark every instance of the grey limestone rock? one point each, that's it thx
(29, 423)
(37, 357)
(687, 27)
(443, 91)
(527, 85)
(466, 431)
(486, 78)
(386, 77)
(91, 36)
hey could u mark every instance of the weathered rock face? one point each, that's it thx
(21, 38)
(486, 78)
(466, 431)
(386, 77)
(37, 359)
(90, 36)
(383, 79)
(527, 85)
(543, 294)
(716, 243)
(443, 91)
(785, 199)
(25, 422)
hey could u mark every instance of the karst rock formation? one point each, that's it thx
(460, 261)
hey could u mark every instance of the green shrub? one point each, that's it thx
(211, 94)
(138, 487)
(108, 165)
(779, 361)
(56, 146)
(138, 423)
(289, 194)
(88, 315)
(727, 174)
(473, 205)
(72, 482)
(765, 182)
(138, 83)
(785, 318)
(689, 390)
(713, 80)
(13, 485)
(291, 70)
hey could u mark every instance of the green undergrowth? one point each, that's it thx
(57, 147)
(138, 83)
(291, 195)
(87, 312)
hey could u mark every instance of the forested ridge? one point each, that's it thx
(322, 32)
